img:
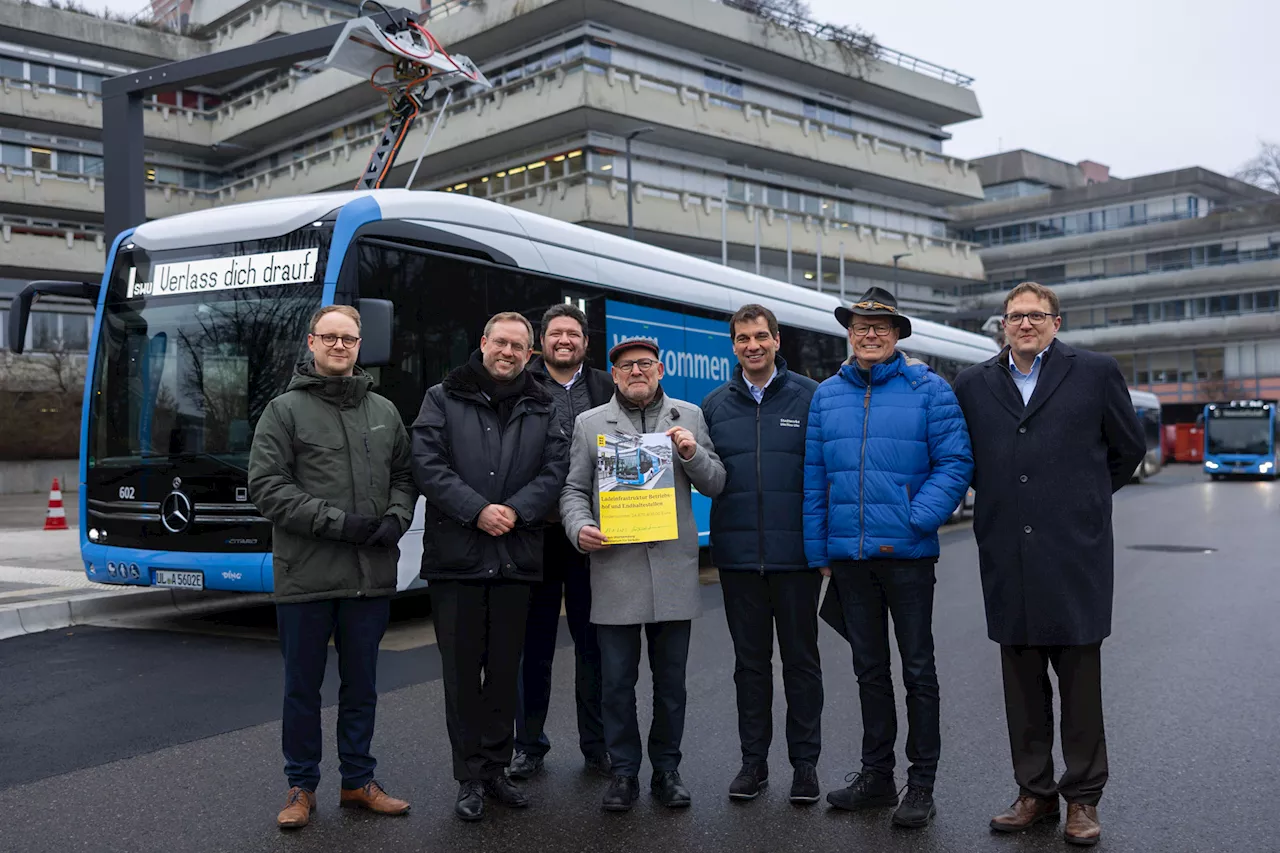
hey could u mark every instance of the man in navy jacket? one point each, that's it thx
(887, 460)
(757, 421)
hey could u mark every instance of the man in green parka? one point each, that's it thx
(330, 467)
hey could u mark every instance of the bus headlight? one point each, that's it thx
(1265, 467)
(1211, 465)
(93, 534)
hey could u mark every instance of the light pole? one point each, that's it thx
(631, 224)
(897, 258)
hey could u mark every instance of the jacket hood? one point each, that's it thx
(461, 382)
(338, 390)
(901, 363)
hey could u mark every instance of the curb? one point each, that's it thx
(39, 616)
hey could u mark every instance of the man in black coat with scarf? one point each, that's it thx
(1054, 435)
(490, 458)
(566, 574)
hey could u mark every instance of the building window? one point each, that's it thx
(42, 158)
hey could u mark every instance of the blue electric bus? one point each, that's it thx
(201, 317)
(636, 466)
(1240, 439)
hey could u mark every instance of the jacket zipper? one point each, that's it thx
(862, 474)
(759, 494)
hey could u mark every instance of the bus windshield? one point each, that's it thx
(1248, 435)
(194, 344)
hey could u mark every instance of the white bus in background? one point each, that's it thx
(202, 316)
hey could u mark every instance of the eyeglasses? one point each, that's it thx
(645, 364)
(1037, 318)
(881, 329)
(516, 346)
(348, 341)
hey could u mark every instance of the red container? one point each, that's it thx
(1189, 443)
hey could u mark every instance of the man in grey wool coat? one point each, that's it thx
(653, 584)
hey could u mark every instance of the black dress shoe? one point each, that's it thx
(868, 790)
(524, 766)
(916, 809)
(470, 805)
(599, 763)
(505, 791)
(669, 790)
(750, 781)
(622, 794)
(804, 784)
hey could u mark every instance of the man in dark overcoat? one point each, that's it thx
(1054, 436)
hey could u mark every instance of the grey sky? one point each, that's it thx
(1140, 85)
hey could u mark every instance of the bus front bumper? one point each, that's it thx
(176, 569)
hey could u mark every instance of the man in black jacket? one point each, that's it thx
(758, 421)
(490, 458)
(575, 387)
(1054, 435)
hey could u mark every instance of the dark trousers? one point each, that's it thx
(356, 626)
(620, 670)
(871, 590)
(1028, 703)
(753, 603)
(566, 576)
(479, 631)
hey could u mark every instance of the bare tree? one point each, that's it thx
(1264, 169)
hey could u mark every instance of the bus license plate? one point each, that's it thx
(179, 580)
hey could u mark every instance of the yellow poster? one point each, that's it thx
(637, 487)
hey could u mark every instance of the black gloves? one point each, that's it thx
(356, 529)
(386, 536)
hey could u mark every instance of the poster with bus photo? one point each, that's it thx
(637, 487)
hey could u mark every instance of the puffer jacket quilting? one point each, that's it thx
(886, 463)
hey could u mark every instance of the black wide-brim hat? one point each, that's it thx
(876, 302)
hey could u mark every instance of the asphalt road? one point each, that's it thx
(168, 740)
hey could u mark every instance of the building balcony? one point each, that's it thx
(70, 112)
(1177, 334)
(1140, 287)
(696, 225)
(894, 80)
(34, 252)
(588, 95)
(1221, 224)
(59, 195)
(245, 26)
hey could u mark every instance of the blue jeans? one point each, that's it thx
(620, 670)
(357, 626)
(871, 590)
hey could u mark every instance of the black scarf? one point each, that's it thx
(502, 396)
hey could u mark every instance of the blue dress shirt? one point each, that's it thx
(1026, 382)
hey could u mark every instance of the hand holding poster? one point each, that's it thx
(637, 487)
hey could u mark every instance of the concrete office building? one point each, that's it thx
(1176, 274)
(809, 143)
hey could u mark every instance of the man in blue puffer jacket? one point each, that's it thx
(757, 422)
(887, 460)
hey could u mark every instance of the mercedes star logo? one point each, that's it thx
(175, 512)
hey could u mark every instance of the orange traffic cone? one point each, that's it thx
(57, 517)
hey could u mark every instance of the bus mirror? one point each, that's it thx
(376, 317)
(20, 308)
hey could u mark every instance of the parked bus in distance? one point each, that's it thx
(1147, 406)
(1240, 439)
(201, 318)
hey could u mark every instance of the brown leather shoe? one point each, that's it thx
(373, 798)
(1025, 812)
(1083, 828)
(297, 809)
